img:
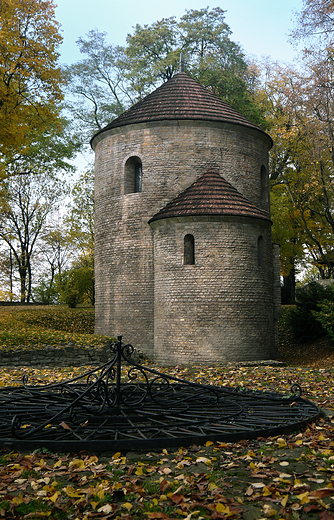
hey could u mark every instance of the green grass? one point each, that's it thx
(48, 326)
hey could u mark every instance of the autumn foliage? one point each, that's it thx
(30, 78)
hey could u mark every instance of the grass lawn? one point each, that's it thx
(289, 477)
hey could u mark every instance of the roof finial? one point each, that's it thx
(181, 68)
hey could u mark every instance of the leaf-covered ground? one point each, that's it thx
(288, 477)
(27, 327)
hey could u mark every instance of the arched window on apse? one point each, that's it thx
(189, 250)
(133, 174)
(264, 185)
(260, 251)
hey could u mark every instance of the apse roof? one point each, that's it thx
(180, 98)
(211, 195)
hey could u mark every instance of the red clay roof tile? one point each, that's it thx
(210, 194)
(180, 98)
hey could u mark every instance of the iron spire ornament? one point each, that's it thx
(181, 65)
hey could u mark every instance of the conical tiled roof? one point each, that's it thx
(211, 195)
(180, 98)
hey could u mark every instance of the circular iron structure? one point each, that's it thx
(140, 408)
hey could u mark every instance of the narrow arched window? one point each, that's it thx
(133, 175)
(264, 185)
(260, 251)
(189, 250)
(138, 177)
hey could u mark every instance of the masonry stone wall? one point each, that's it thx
(221, 308)
(61, 356)
(173, 154)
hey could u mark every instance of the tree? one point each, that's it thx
(29, 201)
(80, 218)
(7, 279)
(211, 57)
(54, 252)
(97, 85)
(302, 162)
(314, 25)
(110, 79)
(30, 79)
(77, 284)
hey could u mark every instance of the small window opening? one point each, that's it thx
(264, 185)
(260, 251)
(138, 177)
(189, 250)
(133, 175)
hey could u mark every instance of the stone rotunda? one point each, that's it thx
(185, 268)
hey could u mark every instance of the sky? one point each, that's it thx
(261, 27)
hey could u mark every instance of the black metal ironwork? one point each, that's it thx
(107, 409)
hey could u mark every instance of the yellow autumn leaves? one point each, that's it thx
(30, 84)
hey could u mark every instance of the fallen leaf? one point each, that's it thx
(65, 426)
(107, 508)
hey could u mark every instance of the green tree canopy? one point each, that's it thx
(109, 79)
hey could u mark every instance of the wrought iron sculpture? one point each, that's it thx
(107, 409)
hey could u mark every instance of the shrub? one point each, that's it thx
(304, 324)
(325, 316)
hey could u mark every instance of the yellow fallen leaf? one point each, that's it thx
(266, 492)
(92, 459)
(17, 500)
(212, 486)
(71, 492)
(284, 500)
(220, 508)
(100, 494)
(117, 455)
(326, 452)
(250, 454)
(77, 464)
(269, 510)
(281, 442)
(208, 443)
(139, 472)
(303, 497)
(127, 506)
(54, 497)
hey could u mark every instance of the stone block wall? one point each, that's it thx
(173, 154)
(221, 308)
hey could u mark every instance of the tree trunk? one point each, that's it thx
(289, 288)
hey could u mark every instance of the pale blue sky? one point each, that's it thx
(260, 26)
